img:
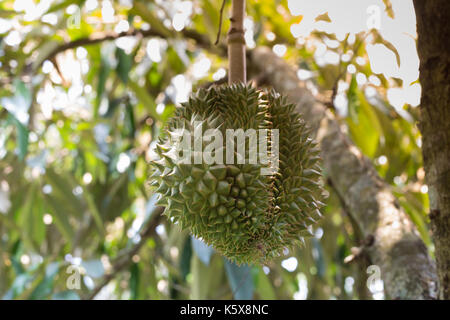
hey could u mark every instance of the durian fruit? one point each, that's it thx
(246, 216)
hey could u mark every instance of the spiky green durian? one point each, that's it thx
(247, 216)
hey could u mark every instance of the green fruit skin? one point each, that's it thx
(246, 216)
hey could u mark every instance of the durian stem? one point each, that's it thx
(236, 44)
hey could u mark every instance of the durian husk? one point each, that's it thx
(246, 216)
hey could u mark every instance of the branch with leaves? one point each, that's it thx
(200, 40)
(396, 247)
(124, 259)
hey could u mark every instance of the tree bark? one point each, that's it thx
(391, 239)
(236, 44)
(433, 30)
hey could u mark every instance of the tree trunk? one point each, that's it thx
(391, 239)
(433, 30)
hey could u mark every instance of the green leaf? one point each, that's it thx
(323, 17)
(66, 295)
(319, 259)
(62, 187)
(93, 210)
(363, 123)
(263, 286)
(154, 76)
(202, 250)
(176, 65)
(60, 217)
(102, 77)
(185, 259)
(18, 286)
(145, 98)
(140, 8)
(389, 10)
(240, 280)
(23, 92)
(413, 207)
(207, 280)
(378, 38)
(45, 50)
(130, 121)
(20, 102)
(353, 102)
(112, 106)
(22, 136)
(64, 4)
(30, 219)
(211, 17)
(134, 281)
(94, 268)
(46, 286)
(124, 64)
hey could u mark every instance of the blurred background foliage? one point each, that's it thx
(77, 216)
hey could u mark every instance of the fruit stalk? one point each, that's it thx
(236, 44)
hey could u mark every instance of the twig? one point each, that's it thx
(220, 22)
(95, 38)
(124, 260)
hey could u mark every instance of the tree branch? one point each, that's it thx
(201, 41)
(124, 259)
(406, 269)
